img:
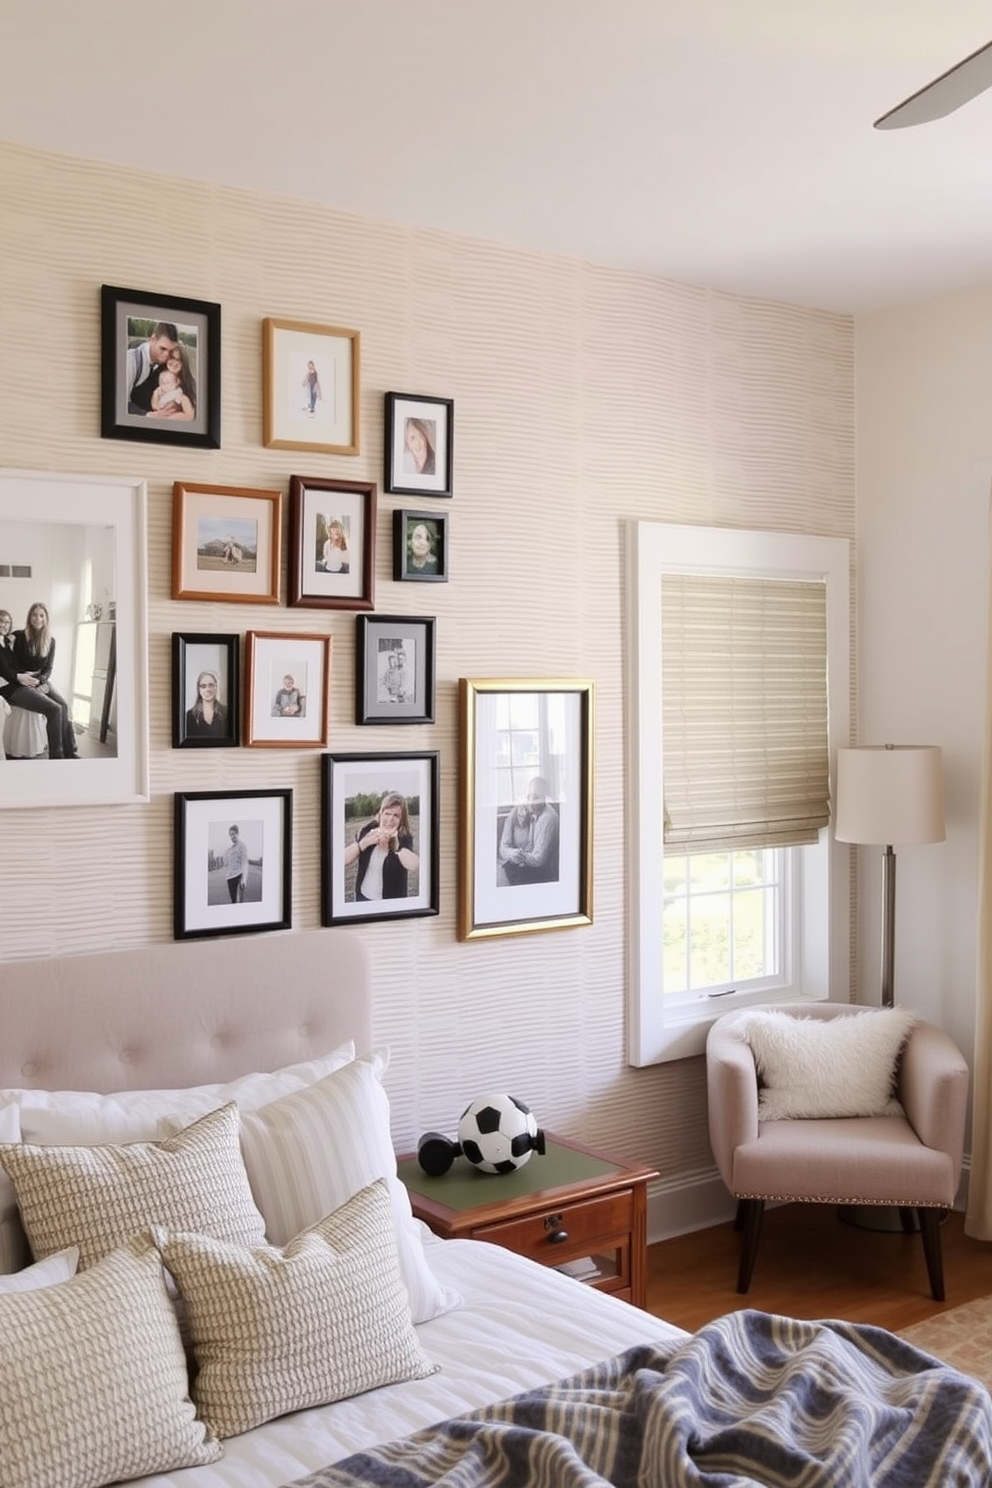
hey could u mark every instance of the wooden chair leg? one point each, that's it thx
(930, 1233)
(739, 1216)
(753, 1210)
(907, 1218)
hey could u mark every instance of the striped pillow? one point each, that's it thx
(95, 1386)
(98, 1197)
(280, 1330)
(309, 1152)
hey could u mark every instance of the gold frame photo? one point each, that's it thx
(526, 805)
(226, 543)
(311, 385)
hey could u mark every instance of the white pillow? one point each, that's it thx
(95, 1386)
(280, 1330)
(55, 1268)
(84, 1118)
(13, 1246)
(99, 1197)
(814, 1068)
(309, 1152)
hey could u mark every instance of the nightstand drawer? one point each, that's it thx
(584, 1223)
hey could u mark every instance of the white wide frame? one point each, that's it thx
(39, 508)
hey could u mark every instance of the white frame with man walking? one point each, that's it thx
(233, 865)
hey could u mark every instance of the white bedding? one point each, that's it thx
(520, 1325)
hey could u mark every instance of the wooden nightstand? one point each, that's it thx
(571, 1203)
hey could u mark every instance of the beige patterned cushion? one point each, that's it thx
(13, 1246)
(94, 1380)
(308, 1152)
(279, 1330)
(98, 1197)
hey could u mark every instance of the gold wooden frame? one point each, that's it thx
(488, 905)
(287, 423)
(193, 507)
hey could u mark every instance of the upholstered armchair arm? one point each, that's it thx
(732, 1093)
(933, 1089)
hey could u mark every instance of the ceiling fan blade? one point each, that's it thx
(945, 94)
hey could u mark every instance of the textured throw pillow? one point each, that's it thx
(309, 1152)
(821, 1067)
(61, 1266)
(98, 1197)
(279, 1330)
(95, 1386)
(13, 1245)
(82, 1118)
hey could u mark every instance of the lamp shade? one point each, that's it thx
(890, 794)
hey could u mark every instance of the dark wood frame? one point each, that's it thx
(182, 643)
(369, 708)
(219, 923)
(386, 770)
(115, 421)
(401, 406)
(316, 732)
(404, 521)
(317, 591)
(266, 588)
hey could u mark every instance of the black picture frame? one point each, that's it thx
(203, 904)
(317, 507)
(193, 654)
(394, 668)
(353, 790)
(434, 419)
(128, 316)
(411, 563)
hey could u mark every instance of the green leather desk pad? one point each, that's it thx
(464, 1186)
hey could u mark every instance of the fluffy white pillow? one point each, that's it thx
(55, 1268)
(280, 1330)
(99, 1197)
(95, 1386)
(309, 1152)
(821, 1067)
(83, 1118)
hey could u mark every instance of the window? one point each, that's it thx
(727, 911)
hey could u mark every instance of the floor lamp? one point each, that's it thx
(890, 795)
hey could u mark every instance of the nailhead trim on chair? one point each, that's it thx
(846, 1200)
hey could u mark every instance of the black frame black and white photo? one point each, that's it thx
(420, 546)
(394, 668)
(233, 863)
(206, 690)
(419, 445)
(138, 331)
(379, 816)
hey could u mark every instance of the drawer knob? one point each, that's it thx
(557, 1235)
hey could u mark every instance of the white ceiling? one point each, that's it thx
(718, 142)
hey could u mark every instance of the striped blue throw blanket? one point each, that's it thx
(751, 1398)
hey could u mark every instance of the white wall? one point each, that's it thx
(583, 397)
(924, 471)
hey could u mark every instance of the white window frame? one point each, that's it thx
(821, 954)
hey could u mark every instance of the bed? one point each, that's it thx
(479, 1326)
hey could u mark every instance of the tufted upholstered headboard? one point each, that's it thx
(183, 1013)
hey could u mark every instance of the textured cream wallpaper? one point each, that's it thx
(583, 397)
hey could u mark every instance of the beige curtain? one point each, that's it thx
(978, 1219)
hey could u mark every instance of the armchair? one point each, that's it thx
(909, 1162)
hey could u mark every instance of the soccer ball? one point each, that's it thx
(498, 1133)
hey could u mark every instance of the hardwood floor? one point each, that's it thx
(813, 1265)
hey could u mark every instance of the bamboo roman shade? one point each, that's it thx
(744, 712)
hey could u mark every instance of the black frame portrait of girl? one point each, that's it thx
(419, 445)
(138, 330)
(356, 789)
(195, 654)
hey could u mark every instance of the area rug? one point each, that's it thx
(961, 1338)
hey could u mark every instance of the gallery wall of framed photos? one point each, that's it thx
(559, 400)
